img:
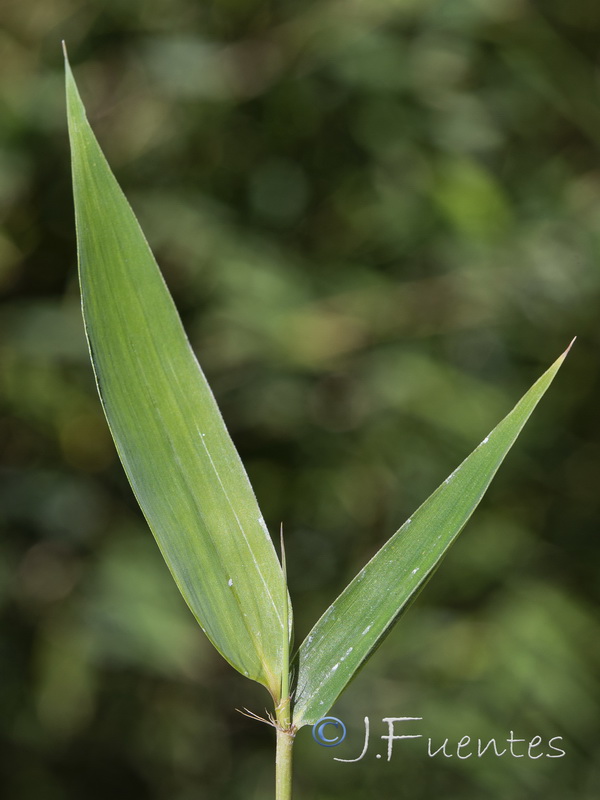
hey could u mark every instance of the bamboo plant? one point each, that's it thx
(193, 489)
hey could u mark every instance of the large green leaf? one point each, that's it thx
(363, 614)
(176, 451)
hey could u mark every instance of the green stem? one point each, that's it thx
(285, 730)
(283, 764)
(285, 741)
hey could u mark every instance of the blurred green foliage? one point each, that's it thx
(381, 222)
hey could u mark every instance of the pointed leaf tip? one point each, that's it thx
(559, 361)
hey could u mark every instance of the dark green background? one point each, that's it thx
(380, 220)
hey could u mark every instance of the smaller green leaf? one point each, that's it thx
(356, 623)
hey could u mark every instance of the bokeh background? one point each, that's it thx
(381, 222)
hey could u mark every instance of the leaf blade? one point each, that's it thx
(358, 620)
(169, 433)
